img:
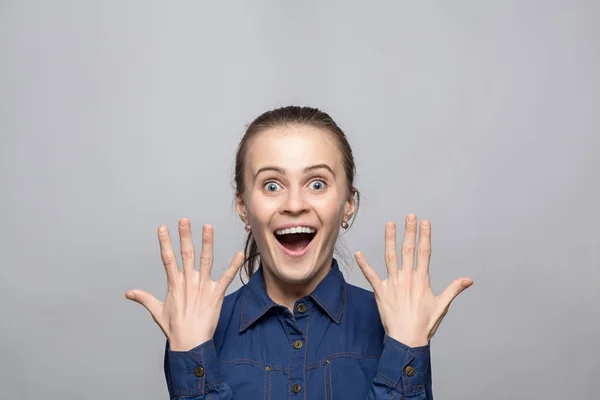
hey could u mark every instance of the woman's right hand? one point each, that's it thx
(190, 313)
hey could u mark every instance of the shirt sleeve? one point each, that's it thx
(403, 373)
(194, 374)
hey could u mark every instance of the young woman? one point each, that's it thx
(297, 329)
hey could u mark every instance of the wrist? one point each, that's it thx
(410, 341)
(187, 345)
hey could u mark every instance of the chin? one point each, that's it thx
(297, 273)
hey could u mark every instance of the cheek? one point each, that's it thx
(261, 209)
(331, 210)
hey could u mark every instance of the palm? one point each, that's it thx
(410, 312)
(190, 312)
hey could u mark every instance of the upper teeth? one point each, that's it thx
(296, 229)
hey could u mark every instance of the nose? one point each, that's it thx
(295, 202)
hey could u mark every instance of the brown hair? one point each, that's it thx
(290, 115)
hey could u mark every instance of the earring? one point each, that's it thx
(344, 225)
(247, 227)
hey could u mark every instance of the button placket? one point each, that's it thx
(297, 364)
(298, 348)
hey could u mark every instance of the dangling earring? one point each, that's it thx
(247, 227)
(344, 225)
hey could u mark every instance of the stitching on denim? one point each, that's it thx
(317, 364)
(410, 389)
(387, 380)
(325, 382)
(256, 363)
(305, 352)
(270, 375)
(400, 385)
(330, 380)
(211, 384)
(201, 381)
(194, 392)
(409, 350)
(344, 293)
(243, 312)
(186, 354)
(289, 359)
(336, 316)
(263, 311)
(265, 383)
(318, 300)
(244, 323)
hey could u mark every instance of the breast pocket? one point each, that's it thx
(245, 379)
(349, 377)
(253, 380)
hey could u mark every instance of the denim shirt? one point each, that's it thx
(333, 346)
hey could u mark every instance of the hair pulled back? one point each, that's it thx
(286, 116)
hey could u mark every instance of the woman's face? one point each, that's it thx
(295, 182)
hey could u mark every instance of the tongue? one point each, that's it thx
(295, 241)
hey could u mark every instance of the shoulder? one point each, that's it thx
(229, 318)
(361, 315)
(232, 299)
(359, 293)
(361, 301)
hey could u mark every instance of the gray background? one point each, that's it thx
(119, 116)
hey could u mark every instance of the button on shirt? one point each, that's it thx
(333, 346)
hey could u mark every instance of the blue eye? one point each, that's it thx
(317, 185)
(271, 187)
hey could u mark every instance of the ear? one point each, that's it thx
(349, 207)
(241, 208)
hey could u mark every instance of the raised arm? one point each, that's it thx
(189, 315)
(410, 313)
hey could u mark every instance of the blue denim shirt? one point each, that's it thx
(332, 347)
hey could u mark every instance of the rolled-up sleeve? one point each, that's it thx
(403, 372)
(194, 374)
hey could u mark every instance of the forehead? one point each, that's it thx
(293, 148)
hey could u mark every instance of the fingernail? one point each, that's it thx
(412, 218)
(466, 284)
(130, 295)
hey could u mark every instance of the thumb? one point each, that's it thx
(454, 289)
(151, 303)
(232, 270)
(367, 271)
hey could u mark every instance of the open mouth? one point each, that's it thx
(295, 239)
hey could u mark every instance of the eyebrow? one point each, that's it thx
(307, 169)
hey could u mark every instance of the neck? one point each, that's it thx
(287, 294)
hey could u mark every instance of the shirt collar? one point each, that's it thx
(330, 295)
(331, 292)
(255, 300)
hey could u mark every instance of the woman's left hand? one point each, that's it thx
(410, 311)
